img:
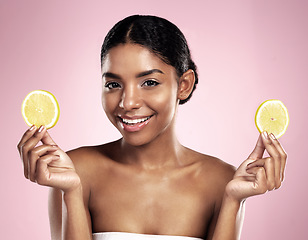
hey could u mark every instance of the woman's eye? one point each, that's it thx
(112, 85)
(150, 83)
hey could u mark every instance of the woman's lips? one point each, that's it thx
(134, 124)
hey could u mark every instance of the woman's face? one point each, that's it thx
(139, 93)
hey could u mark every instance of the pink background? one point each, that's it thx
(246, 52)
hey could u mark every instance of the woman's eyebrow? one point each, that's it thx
(111, 75)
(142, 74)
(145, 73)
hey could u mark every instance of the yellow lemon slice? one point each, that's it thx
(272, 116)
(40, 108)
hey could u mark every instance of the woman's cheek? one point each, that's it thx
(162, 102)
(109, 101)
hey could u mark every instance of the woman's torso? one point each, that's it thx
(126, 198)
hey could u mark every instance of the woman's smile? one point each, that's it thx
(134, 124)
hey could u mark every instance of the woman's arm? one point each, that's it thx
(255, 176)
(68, 216)
(230, 220)
(48, 165)
(76, 222)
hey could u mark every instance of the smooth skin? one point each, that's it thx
(146, 182)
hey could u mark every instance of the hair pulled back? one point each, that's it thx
(158, 35)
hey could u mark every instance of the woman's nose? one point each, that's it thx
(130, 98)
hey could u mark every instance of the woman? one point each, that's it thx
(146, 184)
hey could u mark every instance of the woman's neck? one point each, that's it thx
(163, 152)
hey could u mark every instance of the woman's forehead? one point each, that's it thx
(125, 57)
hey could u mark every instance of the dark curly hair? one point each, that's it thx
(158, 35)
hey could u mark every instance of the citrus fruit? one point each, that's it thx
(272, 116)
(40, 108)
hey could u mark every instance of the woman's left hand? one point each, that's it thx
(257, 175)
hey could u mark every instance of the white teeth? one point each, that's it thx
(134, 121)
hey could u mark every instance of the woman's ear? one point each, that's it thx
(186, 84)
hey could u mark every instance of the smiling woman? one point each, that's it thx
(147, 185)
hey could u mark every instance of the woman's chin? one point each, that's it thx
(135, 141)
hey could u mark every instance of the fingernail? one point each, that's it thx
(32, 127)
(272, 136)
(41, 129)
(265, 134)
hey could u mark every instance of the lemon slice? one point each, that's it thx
(272, 116)
(40, 108)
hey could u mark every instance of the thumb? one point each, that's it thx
(46, 139)
(258, 150)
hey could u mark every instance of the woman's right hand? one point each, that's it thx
(47, 164)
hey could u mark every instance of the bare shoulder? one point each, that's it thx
(92, 152)
(213, 170)
(89, 159)
(220, 169)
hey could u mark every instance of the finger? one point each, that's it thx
(278, 161)
(260, 183)
(269, 166)
(29, 133)
(283, 167)
(47, 139)
(35, 154)
(258, 150)
(283, 156)
(271, 148)
(42, 174)
(28, 145)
